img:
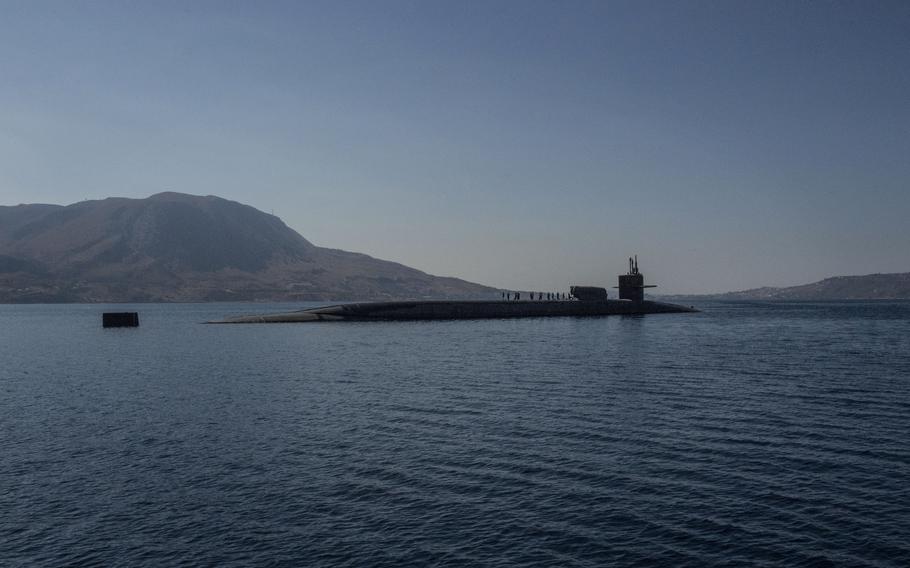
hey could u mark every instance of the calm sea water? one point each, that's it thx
(749, 434)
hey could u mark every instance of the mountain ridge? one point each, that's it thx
(878, 286)
(180, 247)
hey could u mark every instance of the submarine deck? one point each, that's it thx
(462, 309)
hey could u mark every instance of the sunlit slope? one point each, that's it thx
(177, 247)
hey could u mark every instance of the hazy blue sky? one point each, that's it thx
(518, 144)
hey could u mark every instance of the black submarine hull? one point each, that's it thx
(450, 310)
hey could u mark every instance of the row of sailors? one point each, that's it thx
(540, 296)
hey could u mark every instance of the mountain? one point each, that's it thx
(867, 287)
(178, 247)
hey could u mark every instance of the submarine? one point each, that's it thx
(582, 301)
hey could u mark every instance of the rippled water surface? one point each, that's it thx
(748, 434)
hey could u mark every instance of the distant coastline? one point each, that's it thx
(179, 248)
(892, 286)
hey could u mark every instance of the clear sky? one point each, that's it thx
(525, 145)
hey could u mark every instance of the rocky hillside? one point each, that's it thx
(868, 287)
(177, 247)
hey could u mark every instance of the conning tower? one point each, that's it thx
(632, 285)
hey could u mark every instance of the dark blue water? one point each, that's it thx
(749, 434)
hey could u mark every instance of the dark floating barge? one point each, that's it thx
(582, 301)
